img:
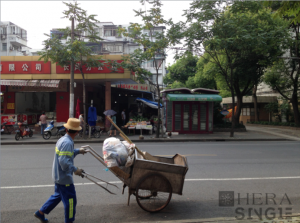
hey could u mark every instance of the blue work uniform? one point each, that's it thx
(62, 174)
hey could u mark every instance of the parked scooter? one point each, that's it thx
(51, 131)
(22, 133)
(5, 129)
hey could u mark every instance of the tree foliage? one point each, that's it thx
(240, 42)
(153, 42)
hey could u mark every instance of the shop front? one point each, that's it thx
(30, 86)
(189, 113)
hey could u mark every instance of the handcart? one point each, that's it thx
(152, 179)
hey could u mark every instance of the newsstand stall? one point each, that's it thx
(190, 113)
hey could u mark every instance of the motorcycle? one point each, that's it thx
(50, 130)
(22, 133)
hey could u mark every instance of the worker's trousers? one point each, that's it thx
(66, 194)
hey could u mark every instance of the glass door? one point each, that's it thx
(194, 117)
(186, 117)
(177, 117)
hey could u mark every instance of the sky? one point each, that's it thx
(39, 17)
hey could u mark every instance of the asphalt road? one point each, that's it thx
(267, 168)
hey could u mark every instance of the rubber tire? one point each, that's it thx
(97, 134)
(47, 135)
(143, 198)
(30, 133)
(17, 137)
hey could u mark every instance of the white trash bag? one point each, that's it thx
(115, 152)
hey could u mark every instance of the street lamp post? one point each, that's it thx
(71, 109)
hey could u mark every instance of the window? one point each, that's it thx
(114, 48)
(4, 47)
(110, 32)
(152, 63)
(24, 34)
(246, 111)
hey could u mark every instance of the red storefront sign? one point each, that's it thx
(25, 67)
(138, 87)
(88, 70)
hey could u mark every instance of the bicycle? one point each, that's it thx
(95, 132)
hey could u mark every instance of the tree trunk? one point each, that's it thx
(158, 110)
(294, 102)
(239, 105)
(233, 102)
(255, 102)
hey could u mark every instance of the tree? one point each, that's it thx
(182, 69)
(77, 50)
(154, 41)
(238, 42)
(284, 76)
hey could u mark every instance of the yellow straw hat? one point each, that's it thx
(73, 124)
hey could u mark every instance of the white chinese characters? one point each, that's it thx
(25, 67)
(0, 67)
(66, 67)
(11, 67)
(100, 68)
(38, 67)
(88, 68)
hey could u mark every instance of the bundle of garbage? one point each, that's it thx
(118, 153)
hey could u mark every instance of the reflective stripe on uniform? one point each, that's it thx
(63, 153)
(71, 208)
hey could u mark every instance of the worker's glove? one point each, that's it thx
(82, 151)
(78, 172)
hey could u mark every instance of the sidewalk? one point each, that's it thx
(295, 218)
(252, 134)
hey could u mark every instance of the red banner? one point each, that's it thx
(89, 70)
(25, 67)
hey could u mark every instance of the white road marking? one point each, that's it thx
(119, 182)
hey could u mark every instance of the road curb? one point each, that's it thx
(286, 219)
(147, 140)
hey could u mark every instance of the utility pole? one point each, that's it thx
(7, 43)
(71, 109)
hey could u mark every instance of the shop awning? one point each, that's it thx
(194, 97)
(151, 104)
(31, 83)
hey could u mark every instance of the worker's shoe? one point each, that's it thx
(41, 217)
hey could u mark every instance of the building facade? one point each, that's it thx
(13, 41)
(114, 44)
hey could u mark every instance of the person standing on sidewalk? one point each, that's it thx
(43, 119)
(62, 174)
(123, 117)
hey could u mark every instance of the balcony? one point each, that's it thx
(17, 40)
(12, 53)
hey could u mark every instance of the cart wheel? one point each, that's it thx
(47, 135)
(30, 133)
(17, 137)
(153, 192)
